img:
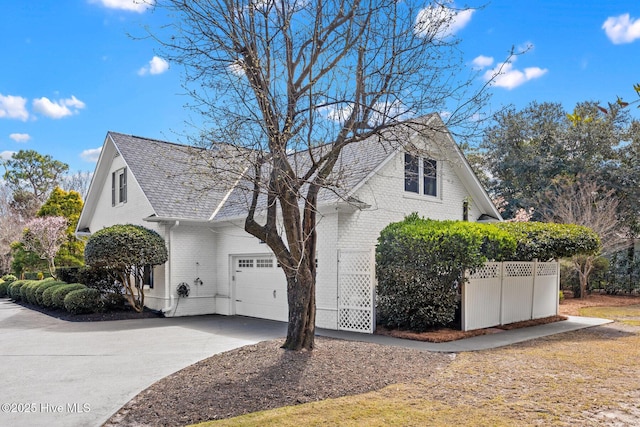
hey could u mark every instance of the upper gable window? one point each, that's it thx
(119, 187)
(420, 175)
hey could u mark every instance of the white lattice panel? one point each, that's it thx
(489, 270)
(356, 289)
(518, 269)
(547, 269)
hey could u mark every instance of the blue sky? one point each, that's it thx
(70, 72)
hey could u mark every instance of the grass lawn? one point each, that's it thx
(588, 378)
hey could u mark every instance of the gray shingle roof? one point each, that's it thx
(181, 182)
(173, 177)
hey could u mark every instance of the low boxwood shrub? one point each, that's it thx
(14, 289)
(9, 278)
(47, 295)
(3, 288)
(43, 286)
(27, 292)
(57, 297)
(81, 301)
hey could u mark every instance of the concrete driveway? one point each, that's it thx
(59, 373)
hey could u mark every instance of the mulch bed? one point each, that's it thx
(447, 334)
(124, 314)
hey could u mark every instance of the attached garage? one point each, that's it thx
(260, 287)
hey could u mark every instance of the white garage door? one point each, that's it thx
(260, 288)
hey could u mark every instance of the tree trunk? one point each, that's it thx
(584, 267)
(302, 311)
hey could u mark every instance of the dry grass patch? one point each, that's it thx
(588, 378)
(629, 314)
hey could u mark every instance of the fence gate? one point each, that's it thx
(356, 291)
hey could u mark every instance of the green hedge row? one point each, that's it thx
(420, 263)
(49, 293)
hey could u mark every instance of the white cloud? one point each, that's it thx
(480, 62)
(622, 29)
(129, 5)
(236, 68)
(441, 21)
(13, 107)
(510, 78)
(58, 109)
(157, 65)
(20, 137)
(91, 155)
(6, 155)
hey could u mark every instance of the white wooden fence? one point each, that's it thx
(506, 292)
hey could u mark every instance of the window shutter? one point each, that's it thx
(124, 186)
(113, 189)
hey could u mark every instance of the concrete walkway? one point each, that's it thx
(59, 373)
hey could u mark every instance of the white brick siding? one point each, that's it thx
(384, 192)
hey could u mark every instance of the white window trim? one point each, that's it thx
(420, 194)
(118, 196)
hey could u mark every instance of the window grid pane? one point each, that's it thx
(245, 263)
(430, 187)
(411, 173)
(264, 263)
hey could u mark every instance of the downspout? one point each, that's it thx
(168, 295)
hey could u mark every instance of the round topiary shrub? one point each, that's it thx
(57, 298)
(47, 295)
(9, 278)
(14, 289)
(126, 250)
(3, 288)
(27, 292)
(81, 301)
(46, 284)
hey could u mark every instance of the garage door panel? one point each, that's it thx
(261, 289)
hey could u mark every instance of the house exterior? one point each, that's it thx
(229, 272)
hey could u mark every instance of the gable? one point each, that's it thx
(107, 201)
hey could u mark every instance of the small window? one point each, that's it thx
(119, 187)
(264, 263)
(245, 263)
(420, 175)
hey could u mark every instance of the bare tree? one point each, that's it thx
(79, 182)
(286, 85)
(10, 227)
(582, 201)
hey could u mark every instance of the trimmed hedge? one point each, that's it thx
(420, 262)
(43, 286)
(81, 301)
(47, 295)
(14, 289)
(3, 288)
(9, 278)
(58, 295)
(546, 241)
(27, 291)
